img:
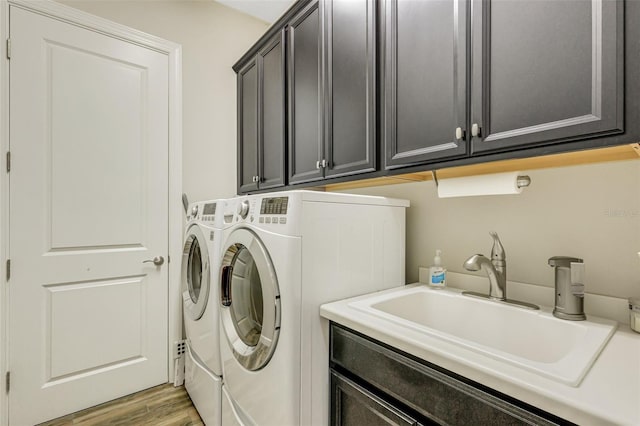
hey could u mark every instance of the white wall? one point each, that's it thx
(589, 211)
(213, 37)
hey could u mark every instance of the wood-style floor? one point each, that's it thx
(163, 405)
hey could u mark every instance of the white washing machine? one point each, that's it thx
(285, 255)
(200, 263)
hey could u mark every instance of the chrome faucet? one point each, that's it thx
(496, 270)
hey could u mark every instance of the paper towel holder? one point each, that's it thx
(522, 182)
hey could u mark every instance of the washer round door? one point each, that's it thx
(250, 300)
(196, 276)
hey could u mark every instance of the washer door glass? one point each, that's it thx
(196, 277)
(250, 300)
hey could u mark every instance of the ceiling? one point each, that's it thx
(265, 10)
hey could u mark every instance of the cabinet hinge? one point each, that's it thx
(8, 161)
(8, 48)
(8, 269)
(7, 382)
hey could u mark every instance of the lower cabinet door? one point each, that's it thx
(351, 404)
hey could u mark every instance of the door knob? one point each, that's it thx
(158, 260)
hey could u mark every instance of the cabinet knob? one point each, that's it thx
(475, 130)
(323, 163)
(318, 164)
(256, 179)
(459, 133)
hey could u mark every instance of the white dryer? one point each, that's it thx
(285, 255)
(200, 263)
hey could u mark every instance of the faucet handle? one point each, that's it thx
(497, 251)
(563, 261)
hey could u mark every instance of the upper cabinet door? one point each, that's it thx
(424, 100)
(271, 63)
(248, 127)
(305, 95)
(545, 71)
(350, 87)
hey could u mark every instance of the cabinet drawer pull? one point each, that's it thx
(459, 133)
(475, 130)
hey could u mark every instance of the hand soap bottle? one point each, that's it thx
(437, 274)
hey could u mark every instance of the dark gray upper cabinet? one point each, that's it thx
(546, 72)
(271, 63)
(339, 88)
(261, 118)
(425, 80)
(332, 111)
(350, 87)
(305, 95)
(248, 127)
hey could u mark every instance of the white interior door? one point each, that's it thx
(88, 204)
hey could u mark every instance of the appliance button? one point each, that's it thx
(283, 220)
(267, 220)
(261, 220)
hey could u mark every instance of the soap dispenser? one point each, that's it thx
(437, 274)
(569, 275)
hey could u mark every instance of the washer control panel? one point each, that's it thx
(273, 210)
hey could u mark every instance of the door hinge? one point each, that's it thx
(7, 381)
(8, 161)
(8, 269)
(8, 48)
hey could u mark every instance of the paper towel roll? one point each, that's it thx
(494, 184)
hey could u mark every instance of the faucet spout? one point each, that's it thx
(497, 275)
(496, 270)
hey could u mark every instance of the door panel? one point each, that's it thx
(425, 80)
(350, 125)
(305, 96)
(109, 311)
(88, 204)
(272, 114)
(114, 139)
(546, 71)
(248, 127)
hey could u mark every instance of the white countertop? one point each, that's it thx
(609, 393)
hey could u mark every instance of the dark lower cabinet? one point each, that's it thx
(546, 72)
(374, 384)
(351, 404)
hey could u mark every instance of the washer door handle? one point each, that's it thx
(227, 273)
(158, 260)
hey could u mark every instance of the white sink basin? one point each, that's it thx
(535, 340)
